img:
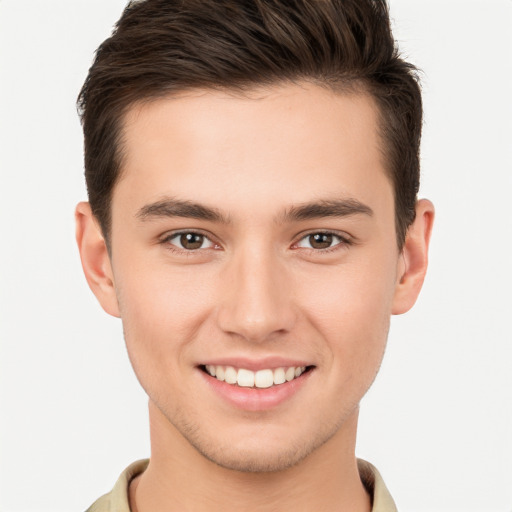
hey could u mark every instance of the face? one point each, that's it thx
(253, 239)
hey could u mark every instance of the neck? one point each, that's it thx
(179, 478)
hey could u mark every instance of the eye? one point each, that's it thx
(189, 241)
(321, 241)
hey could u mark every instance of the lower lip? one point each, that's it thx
(256, 399)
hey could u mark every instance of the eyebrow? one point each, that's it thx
(326, 208)
(171, 207)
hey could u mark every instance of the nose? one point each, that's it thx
(256, 302)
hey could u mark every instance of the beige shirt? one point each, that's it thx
(117, 499)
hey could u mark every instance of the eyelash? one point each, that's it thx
(344, 241)
(166, 240)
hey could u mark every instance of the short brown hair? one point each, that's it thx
(160, 47)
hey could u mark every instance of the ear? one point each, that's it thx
(95, 259)
(414, 258)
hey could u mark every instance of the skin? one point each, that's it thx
(256, 288)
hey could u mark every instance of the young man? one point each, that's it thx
(252, 170)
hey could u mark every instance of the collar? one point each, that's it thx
(117, 499)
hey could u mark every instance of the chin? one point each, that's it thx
(246, 460)
(259, 454)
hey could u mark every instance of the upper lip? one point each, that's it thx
(254, 365)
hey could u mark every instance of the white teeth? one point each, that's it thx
(264, 378)
(279, 376)
(290, 373)
(245, 378)
(219, 372)
(230, 375)
(260, 379)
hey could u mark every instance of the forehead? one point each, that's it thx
(268, 144)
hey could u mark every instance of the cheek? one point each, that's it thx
(161, 311)
(352, 312)
(154, 298)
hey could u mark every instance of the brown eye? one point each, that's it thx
(320, 240)
(191, 241)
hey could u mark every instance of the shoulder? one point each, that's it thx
(117, 499)
(374, 484)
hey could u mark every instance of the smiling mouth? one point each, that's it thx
(260, 379)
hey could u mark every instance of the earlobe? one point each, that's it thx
(414, 258)
(95, 259)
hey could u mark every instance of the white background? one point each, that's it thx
(437, 423)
